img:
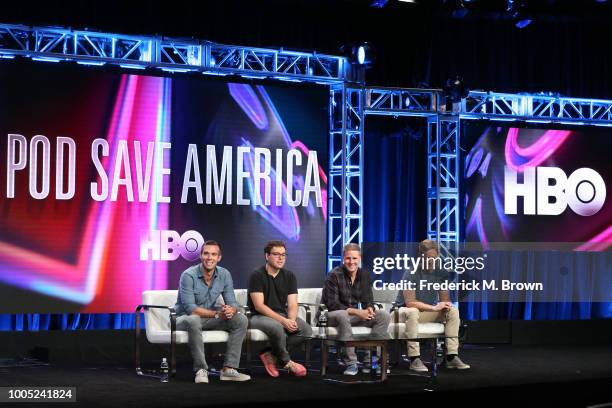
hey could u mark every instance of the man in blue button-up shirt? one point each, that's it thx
(199, 288)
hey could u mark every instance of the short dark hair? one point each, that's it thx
(272, 244)
(426, 245)
(210, 242)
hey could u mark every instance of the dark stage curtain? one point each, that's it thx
(67, 321)
(395, 180)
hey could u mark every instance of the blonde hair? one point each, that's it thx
(351, 247)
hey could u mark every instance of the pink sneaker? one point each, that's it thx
(269, 362)
(296, 369)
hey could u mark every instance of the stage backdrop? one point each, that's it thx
(538, 184)
(544, 191)
(110, 181)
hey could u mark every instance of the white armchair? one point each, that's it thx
(160, 324)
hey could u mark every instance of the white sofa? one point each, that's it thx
(160, 321)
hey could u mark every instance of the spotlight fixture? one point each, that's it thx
(362, 54)
(455, 89)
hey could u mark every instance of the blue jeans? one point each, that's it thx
(194, 325)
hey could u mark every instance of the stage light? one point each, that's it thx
(455, 89)
(517, 10)
(379, 3)
(522, 21)
(362, 54)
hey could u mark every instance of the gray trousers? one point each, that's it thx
(280, 339)
(344, 323)
(236, 328)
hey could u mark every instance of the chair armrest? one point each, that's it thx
(379, 305)
(310, 307)
(169, 308)
(247, 311)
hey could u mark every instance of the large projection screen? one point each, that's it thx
(111, 180)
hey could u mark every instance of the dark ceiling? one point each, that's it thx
(566, 48)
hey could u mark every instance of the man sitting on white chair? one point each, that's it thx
(425, 306)
(347, 294)
(199, 288)
(273, 301)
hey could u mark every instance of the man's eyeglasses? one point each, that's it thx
(278, 254)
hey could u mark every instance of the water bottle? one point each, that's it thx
(439, 350)
(164, 370)
(323, 323)
(374, 363)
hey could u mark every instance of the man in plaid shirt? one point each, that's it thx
(348, 296)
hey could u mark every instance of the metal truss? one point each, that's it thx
(345, 163)
(443, 178)
(401, 102)
(348, 108)
(174, 55)
(443, 132)
(536, 108)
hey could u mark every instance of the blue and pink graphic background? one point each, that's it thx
(491, 147)
(83, 255)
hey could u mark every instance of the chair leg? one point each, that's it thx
(137, 346)
(248, 353)
(307, 346)
(398, 353)
(434, 358)
(173, 359)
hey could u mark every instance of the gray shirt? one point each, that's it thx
(430, 297)
(193, 291)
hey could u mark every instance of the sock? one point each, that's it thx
(449, 357)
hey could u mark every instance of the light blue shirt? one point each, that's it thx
(193, 291)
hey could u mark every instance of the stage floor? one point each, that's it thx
(570, 376)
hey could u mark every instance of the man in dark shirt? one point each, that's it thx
(347, 294)
(273, 300)
(423, 306)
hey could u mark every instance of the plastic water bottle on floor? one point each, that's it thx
(323, 323)
(164, 370)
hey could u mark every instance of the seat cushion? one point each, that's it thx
(157, 321)
(208, 336)
(426, 330)
(333, 331)
(257, 335)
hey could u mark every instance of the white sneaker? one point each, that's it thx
(417, 365)
(232, 375)
(457, 363)
(201, 376)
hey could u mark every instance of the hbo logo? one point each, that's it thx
(169, 245)
(548, 191)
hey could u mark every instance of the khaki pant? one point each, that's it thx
(412, 317)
